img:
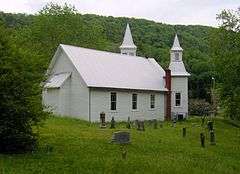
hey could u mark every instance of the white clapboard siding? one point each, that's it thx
(73, 94)
(180, 84)
(100, 102)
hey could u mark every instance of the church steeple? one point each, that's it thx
(176, 50)
(176, 45)
(128, 47)
(176, 63)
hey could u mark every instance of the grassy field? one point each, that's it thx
(74, 146)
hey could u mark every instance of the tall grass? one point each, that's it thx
(75, 146)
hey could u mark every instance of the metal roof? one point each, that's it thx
(57, 80)
(128, 40)
(113, 70)
(178, 69)
(176, 45)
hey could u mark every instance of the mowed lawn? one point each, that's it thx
(75, 146)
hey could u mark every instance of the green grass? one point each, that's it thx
(79, 147)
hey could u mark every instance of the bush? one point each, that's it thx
(199, 107)
(20, 97)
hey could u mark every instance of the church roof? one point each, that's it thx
(113, 70)
(178, 69)
(57, 80)
(176, 45)
(128, 40)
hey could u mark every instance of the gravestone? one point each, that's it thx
(102, 120)
(155, 123)
(140, 125)
(112, 123)
(121, 137)
(174, 121)
(202, 139)
(203, 120)
(161, 124)
(137, 124)
(184, 132)
(210, 125)
(128, 123)
(180, 117)
(212, 138)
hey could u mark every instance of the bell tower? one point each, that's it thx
(128, 47)
(179, 82)
(176, 51)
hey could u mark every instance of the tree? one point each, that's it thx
(20, 93)
(55, 25)
(226, 55)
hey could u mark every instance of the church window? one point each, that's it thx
(134, 101)
(152, 101)
(113, 101)
(178, 99)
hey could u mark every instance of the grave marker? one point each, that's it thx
(184, 132)
(102, 120)
(210, 125)
(140, 125)
(112, 123)
(174, 120)
(161, 124)
(128, 123)
(212, 138)
(202, 139)
(121, 137)
(155, 123)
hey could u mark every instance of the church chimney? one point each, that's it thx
(168, 85)
(128, 47)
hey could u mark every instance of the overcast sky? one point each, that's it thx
(186, 12)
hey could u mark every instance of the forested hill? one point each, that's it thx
(41, 34)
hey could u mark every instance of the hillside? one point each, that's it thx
(74, 146)
(42, 33)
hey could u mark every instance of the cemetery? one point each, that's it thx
(70, 145)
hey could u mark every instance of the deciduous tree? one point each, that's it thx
(226, 53)
(20, 97)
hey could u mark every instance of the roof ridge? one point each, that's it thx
(109, 52)
(106, 69)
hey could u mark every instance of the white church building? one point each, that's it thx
(84, 82)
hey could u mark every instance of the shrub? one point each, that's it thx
(199, 107)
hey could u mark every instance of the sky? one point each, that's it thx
(186, 12)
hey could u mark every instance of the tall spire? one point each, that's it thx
(128, 47)
(176, 45)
